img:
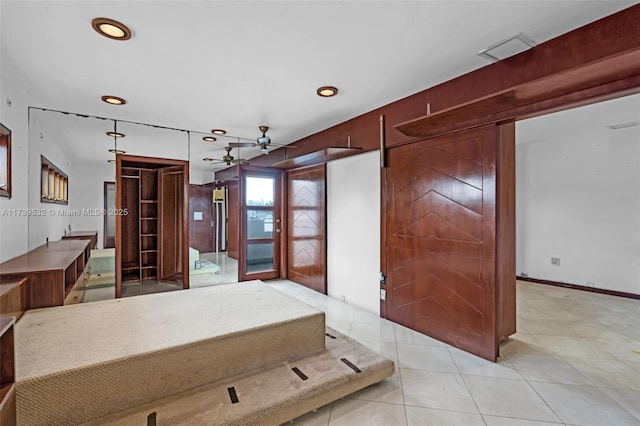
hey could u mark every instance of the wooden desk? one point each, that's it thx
(52, 273)
(83, 235)
(13, 297)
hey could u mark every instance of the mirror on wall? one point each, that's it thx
(72, 189)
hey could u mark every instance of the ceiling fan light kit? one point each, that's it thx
(264, 141)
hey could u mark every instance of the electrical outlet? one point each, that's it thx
(555, 261)
(383, 294)
(524, 274)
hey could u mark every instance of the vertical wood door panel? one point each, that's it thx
(170, 226)
(306, 209)
(201, 232)
(233, 221)
(441, 239)
(130, 224)
(109, 228)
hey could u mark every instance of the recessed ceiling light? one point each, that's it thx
(115, 134)
(219, 131)
(209, 139)
(111, 29)
(113, 100)
(327, 91)
(117, 151)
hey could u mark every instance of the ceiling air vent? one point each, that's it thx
(507, 47)
(623, 125)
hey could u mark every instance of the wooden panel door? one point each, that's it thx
(307, 239)
(201, 226)
(441, 239)
(170, 225)
(109, 228)
(233, 221)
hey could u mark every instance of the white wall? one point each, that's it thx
(87, 193)
(353, 230)
(14, 228)
(47, 142)
(578, 199)
(200, 177)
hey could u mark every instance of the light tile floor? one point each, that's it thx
(228, 273)
(575, 360)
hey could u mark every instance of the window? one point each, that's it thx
(5, 162)
(54, 184)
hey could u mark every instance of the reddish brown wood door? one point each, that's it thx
(172, 250)
(201, 218)
(306, 210)
(233, 218)
(441, 227)
(109, 229)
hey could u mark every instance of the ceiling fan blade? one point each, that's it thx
(241, 144)
(283, 146)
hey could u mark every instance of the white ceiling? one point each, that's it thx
(235, 65)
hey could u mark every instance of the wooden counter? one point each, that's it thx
(83, 235)
(13, 297)
(68, 245)
(52, 272)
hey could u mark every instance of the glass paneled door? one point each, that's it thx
(261, 225)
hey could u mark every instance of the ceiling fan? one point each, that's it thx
(264, 142)
(227, 159)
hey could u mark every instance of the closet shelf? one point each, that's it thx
(128, 266)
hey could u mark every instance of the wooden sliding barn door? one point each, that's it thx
(306, 210)
(441, 239)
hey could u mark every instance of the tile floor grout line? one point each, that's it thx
(517, 418)
(404, 401)
(545, 402)
(466, 386)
